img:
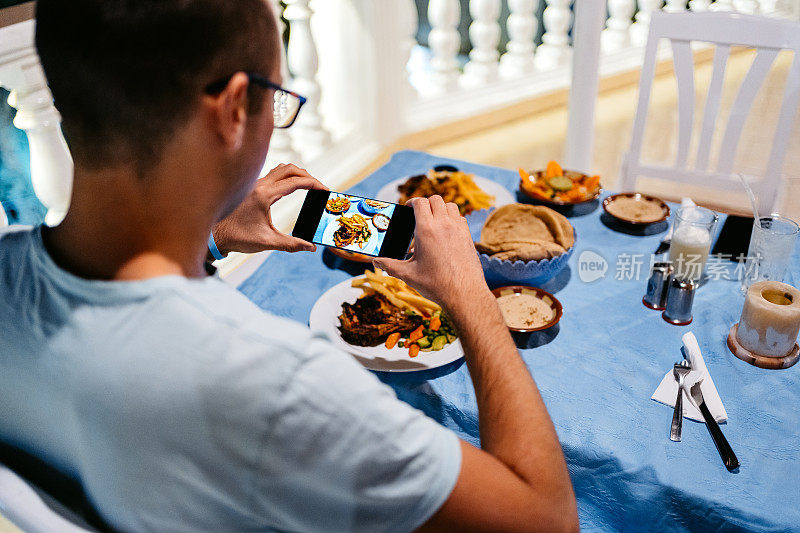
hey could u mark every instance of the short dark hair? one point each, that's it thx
(125, 74)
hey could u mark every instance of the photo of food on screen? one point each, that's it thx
(354, 223)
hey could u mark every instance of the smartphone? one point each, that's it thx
(356, 224)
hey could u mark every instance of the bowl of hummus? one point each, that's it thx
(636, 209)
(527, 309)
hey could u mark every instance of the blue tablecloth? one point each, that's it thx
(596, 371)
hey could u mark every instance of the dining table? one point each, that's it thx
(596, 371)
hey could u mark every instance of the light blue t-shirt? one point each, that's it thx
(180, 405)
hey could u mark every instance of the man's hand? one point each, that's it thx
(249, 228)
(518, 481)
(445, 266)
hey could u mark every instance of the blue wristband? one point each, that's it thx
(212, 247)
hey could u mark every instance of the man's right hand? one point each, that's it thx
(518, 481)
(445, 265)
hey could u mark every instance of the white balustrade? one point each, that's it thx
(640, 28)
(698, 6)
(769, 8)
(675, 6)
(749, 7)
(309, 132)
(521, 25)
(280, 145)
(555, 49)
(444, 41)
(617, 33)
(722, 5)
(51, 163)
(484, 33)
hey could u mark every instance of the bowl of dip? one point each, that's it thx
(381, 222)
(527, 309)
(636, 209)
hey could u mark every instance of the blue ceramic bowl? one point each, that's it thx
(526, 272)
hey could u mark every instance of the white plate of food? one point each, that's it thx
(359, 237)
(471, 192)
(326, 316)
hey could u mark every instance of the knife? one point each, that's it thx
(724, 449)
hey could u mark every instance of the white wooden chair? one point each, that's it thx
(33, 511)
(768, 37)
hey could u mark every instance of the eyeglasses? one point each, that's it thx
(286, 105)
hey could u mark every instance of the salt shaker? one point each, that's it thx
(680, 297)
(657, 286)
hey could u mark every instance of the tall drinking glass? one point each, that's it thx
(771, 246)
(692, 231)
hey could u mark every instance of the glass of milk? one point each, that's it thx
(771, 246)
(692, 232)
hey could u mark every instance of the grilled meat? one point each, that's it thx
(373, 318)
(344, 236)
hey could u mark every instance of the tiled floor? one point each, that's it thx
(533, 140)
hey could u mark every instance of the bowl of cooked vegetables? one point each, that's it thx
(557, 186)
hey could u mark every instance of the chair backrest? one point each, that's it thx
(35, 496)
(723, 30)
(25, 508)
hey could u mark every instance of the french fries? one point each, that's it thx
(396, 291)
(453, 186)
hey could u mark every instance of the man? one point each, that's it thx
(177, 403)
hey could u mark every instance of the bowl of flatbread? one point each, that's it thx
(525, 243)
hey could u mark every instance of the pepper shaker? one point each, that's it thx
(680, 297)
(658, 285)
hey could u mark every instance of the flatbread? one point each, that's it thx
(521, 232)
(527, 223)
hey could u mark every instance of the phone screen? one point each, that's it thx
(356, 224)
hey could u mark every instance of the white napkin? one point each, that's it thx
(667, 391)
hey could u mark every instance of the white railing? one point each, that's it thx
(350, 58)
(372, 95)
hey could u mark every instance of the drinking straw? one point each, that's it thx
(752, 197)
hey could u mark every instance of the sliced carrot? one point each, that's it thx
(436, 323)
(413, 350)
(392, 339)
(523, 174)
(592, 183)
(553, 170)
(416, 334)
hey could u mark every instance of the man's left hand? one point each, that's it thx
(249, 227)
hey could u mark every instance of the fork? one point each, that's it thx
(679, 371)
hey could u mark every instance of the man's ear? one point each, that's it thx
(227, 111)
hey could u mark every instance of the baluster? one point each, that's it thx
(555, 50)
(640, 28)
(768, 8)
(51, 162)
(722, 5)
(522, 26)
(749, 7)
(617, 32)
(444, 42)
(484, 33)
(308, 131)
(698, 6)
(675, 6)
(280, 145)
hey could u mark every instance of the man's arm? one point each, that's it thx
(518, 480)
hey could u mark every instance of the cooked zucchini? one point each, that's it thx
(560, 183)
(438, 343)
